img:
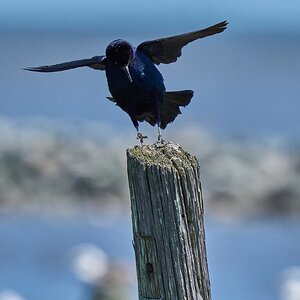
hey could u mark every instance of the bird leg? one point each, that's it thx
(141, 137)
(160, 139)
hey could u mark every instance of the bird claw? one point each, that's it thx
(160, 140)
(141, 137)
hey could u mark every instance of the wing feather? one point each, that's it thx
(167, 50)
(96, 62)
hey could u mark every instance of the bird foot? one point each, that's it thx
(160, 140)
(141, 137)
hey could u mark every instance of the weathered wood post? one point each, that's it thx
(167, 218)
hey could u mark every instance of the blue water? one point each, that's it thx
(144, 17)
(35, 253)
(245, 258)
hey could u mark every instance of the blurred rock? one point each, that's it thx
(10, 295)
(64, 168)
(106, 279)
(90, 263)
(290, 283)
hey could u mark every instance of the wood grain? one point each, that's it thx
(167, 219)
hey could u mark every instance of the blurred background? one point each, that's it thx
(65, 228)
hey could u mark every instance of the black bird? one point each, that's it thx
(134, 81)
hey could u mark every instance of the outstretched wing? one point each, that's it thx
(167, 50)
(96, 62)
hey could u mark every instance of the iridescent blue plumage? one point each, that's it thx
(139, 93)
(133, 80)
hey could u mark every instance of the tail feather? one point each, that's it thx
(170, 107)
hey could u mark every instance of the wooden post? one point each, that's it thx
(167, 219)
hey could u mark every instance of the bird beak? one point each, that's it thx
(125, 68)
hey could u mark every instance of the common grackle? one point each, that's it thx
(134, 81)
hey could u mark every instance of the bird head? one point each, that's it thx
(121, 53)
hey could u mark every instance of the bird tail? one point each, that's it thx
(170, 107)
